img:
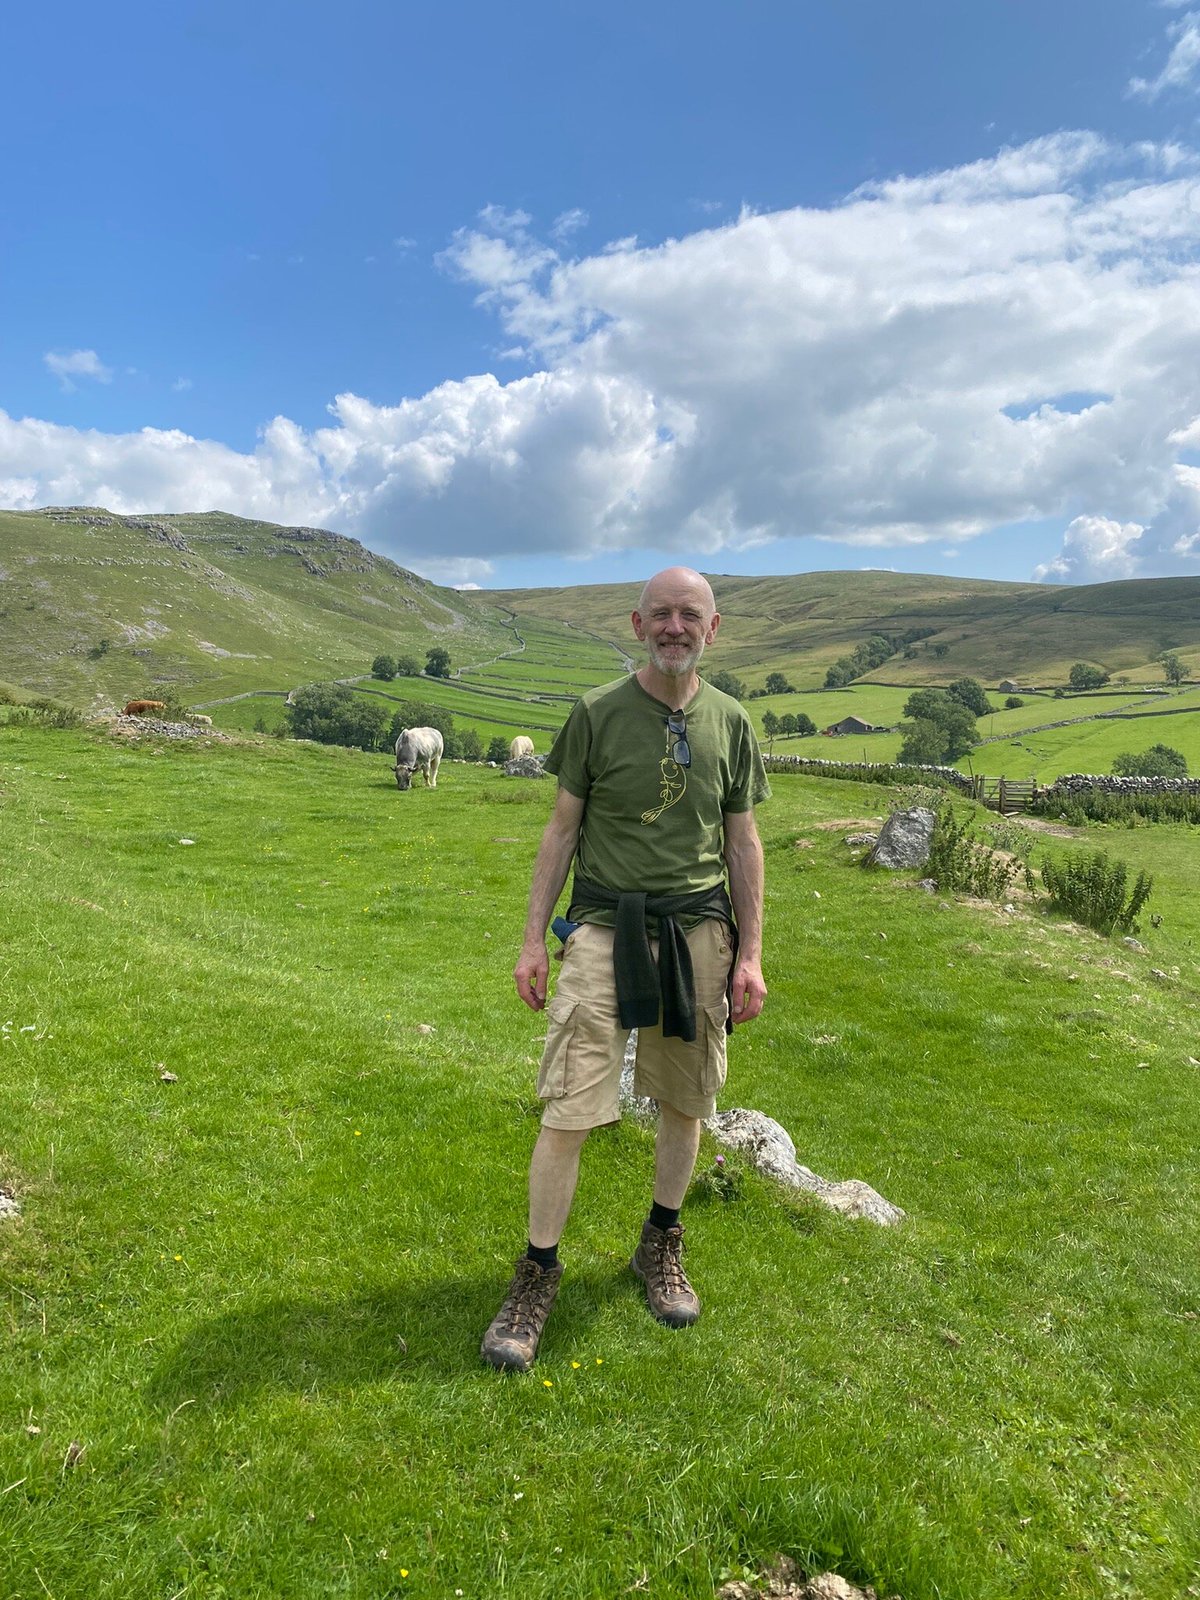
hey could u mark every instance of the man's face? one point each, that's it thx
(675, 625)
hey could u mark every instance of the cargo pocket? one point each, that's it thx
(712, 1073)
(552, 1075)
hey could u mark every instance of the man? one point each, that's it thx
(658, 777)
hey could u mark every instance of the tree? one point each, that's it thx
(969, 692)
(1084, 676)
(470, 745)
(778, 684)
(1013, 703)
(924, 744)
(941, 651)
(954, 723)
(1173, 668)
(805, 726)
(1160, 761)
(770, 726)
(787, 725)
(383, 667)
(332, 714)
(727, 683)
(408, 667)
(437, 663)
(498, 749)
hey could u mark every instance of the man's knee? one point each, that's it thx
(562, 1141)
(676, 1120)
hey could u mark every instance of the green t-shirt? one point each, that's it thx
(650, 824)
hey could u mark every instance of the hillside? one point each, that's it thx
(98, 606)
(1031, 632)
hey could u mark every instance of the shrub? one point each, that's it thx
(331, 714)
(437, 663)
(498, 749)
(777, 683)
(408, 667)
(1105, 805)
(1089, 888)
(1013, 703)
(960, 862)
(1160, 761)
(383, 668)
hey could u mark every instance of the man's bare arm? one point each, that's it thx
(554, 857)
(744, 863)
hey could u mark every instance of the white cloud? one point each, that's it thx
(1181, 64)
(567, 223)
(69, 364)
(874, 373)
(1095, 549)
(181, 385)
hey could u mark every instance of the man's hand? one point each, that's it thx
(530, 974)
(749, 991)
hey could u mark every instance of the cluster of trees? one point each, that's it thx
(1084, 676)
(776, 683)
(437, 665)
(873, 652)
(331, 713)
(1160, 761)
(727, 682)
(1173, 668)
(788, 726)
(940, 723)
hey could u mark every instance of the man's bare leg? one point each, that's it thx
(553, 1174)
(675, 1152)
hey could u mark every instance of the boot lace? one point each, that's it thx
(526, 1304)
(671, 1277)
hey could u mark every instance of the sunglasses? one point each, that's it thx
(681, 752)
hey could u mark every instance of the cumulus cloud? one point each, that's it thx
(67, 365)
(938, 355)
(1094, 549)
(1181, 64)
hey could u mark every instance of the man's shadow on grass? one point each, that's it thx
(414, 1332)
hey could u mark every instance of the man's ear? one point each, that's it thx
(712, 627)
(639, 630)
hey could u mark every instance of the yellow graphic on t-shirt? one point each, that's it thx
(672, 782)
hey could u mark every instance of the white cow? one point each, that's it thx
(522, 745)
(418, 747)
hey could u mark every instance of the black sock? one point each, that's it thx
(546, 1256)
(663, 1217)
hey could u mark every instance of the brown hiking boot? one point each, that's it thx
(658, 1262)
(512, 1339)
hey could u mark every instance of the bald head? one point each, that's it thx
(677, 580)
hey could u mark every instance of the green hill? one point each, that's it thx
(98, 607)
(1030, 632)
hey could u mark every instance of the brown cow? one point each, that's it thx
(139, 708)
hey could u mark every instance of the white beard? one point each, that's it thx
(674, 666)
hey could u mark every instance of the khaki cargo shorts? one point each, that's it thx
(585, 1044)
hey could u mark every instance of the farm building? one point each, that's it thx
(1007, 686)
(852, 725)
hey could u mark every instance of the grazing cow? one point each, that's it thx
(139, 708)
(199, 719)
(418, 747)
(522, 745)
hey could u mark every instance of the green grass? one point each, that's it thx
(255, 1295)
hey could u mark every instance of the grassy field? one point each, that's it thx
(253, 1296)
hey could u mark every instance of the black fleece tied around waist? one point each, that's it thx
(641, 988)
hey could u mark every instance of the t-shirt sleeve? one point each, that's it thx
(568, 758)
(749, 786)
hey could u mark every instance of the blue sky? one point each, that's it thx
(558, 293)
